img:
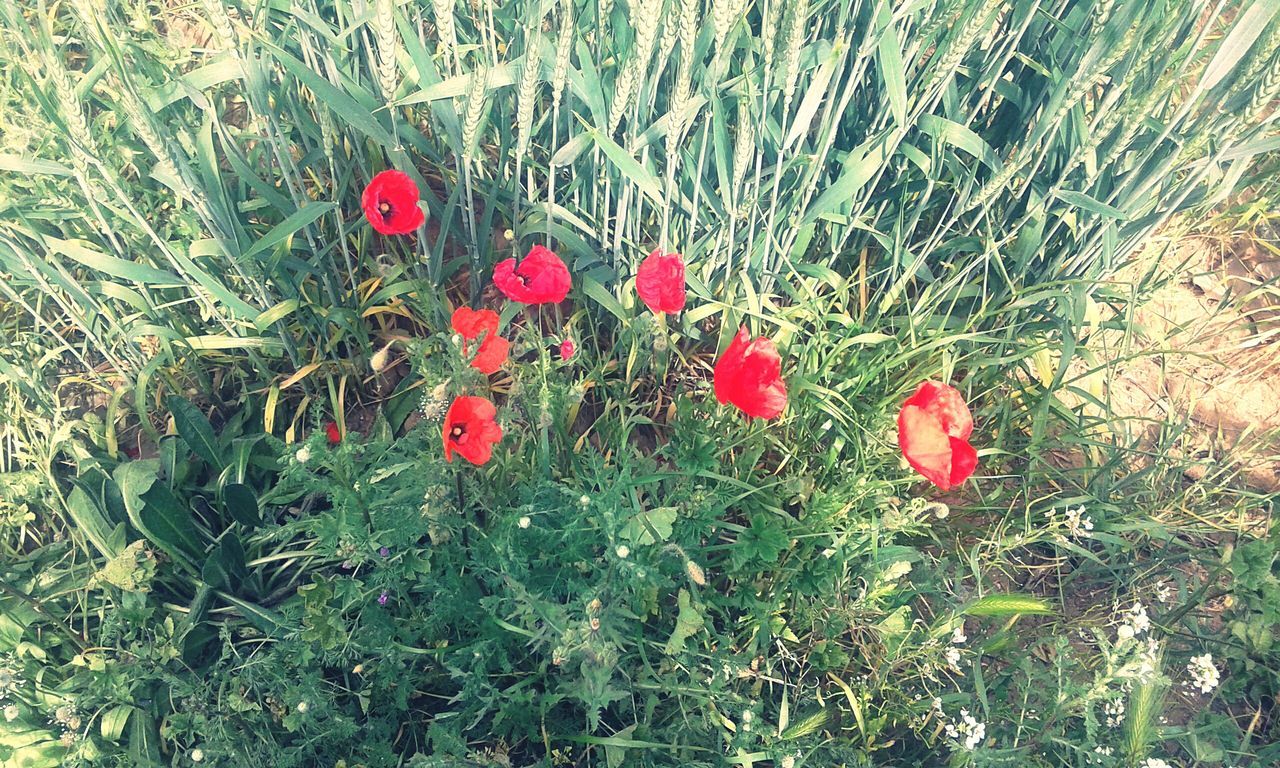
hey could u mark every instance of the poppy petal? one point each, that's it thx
(947, 405)
(926, 447)
(964, 459)
(492, 354)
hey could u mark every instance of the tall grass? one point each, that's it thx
(941, 156)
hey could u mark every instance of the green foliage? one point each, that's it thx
(892, 191)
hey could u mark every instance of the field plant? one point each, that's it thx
(230, 531)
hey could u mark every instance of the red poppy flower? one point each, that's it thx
(390, 203)
(933, 431)
(470, 431)
(660, 282)
(470, 324)
(567, 348)
(748, 375)
(331, 431)
(540, 278)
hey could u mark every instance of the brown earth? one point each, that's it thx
(1205, 351)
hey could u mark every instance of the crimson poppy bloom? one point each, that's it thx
(567, 348)
(540, 278)
(331, 432)
(470, 324)
(390, 203)
(933, 431)
(660, 282)
(470, 431)
(748, 375)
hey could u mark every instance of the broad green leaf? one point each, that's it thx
(242, 504)
(112, 723)
(90, 520)
(1248, 25)
(1081, 200)
(120, 268)
(602, 297)
(650, 527)
(299, 219)
(195, 429)
(637, 174)
(156, 513)
(689, 622)
(959, 136)
(332, 97)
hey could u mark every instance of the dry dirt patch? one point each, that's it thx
(1206, 350)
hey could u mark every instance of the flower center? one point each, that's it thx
(458, 434)
(385, 209)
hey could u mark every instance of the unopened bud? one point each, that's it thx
(696, 574)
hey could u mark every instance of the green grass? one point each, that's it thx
(892, 191)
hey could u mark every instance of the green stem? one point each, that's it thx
(39, 608)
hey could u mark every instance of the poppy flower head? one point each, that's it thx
(470, 430)
(471, 324)
(567, 348)
(934, 426)
(331, 432)
(660, 282)
(749, 376)
(540, 278)
(390, 203)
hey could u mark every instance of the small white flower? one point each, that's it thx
(303, 455)
(1204, 675)
(789, 761)
(11, 713)
(1114, 710)
(303, 707)
(1079, 525)
(952, 655)
(1138, 618)
(197, 755)
(584, 500)
(958, 636)
(524, 522)
(968, 727)
(622, 551)
(1155, 762)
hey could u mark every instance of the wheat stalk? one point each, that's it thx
(388, 41)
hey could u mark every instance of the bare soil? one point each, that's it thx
(1205, 351)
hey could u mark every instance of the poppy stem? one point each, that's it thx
(544, 402)
(462, 495)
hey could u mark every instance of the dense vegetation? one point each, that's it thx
(199, 568)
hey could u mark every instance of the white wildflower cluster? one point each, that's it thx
(967, 732)
(1155, 762)
(524, 521)
(1076, 522)
(433, 402)
(952, 654)
(303, 455)
(1204, 675)
(1135, 623)
(1114, 710)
